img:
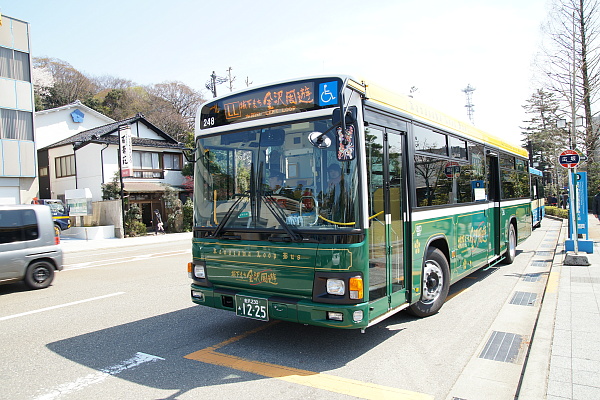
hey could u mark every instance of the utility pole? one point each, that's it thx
(230, 79)
(468, 91)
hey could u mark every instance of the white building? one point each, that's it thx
(90, 158)
(17, 151)
(59, 123)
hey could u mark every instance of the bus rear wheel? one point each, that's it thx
(435, 284)
(511, 248)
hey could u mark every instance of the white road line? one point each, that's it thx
(97, 377)
(85, 265)
(58, 306)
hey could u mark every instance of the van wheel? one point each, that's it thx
(436, 283)
(39, 275)
(511, 249)
(56, 230)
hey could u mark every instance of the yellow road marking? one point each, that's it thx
(336, 384)
(453, 295)
(552, 284)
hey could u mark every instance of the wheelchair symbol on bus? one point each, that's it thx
(327, 96)
(327, 93)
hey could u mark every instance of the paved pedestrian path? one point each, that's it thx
(564, 359)
(70, 245)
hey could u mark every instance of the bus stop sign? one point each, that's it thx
(569, 158)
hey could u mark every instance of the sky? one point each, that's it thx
(436, 46)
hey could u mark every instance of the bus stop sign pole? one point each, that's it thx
(570, 159)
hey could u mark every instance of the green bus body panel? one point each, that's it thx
(469, 238)
(272, 267)
(282, 273)
(522, 215)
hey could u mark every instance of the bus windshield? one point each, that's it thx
(275, 178)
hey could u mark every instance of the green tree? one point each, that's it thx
(542, 137)
(112, 190)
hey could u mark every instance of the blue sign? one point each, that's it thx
(328, 93)
(77, 116)
(580, 179)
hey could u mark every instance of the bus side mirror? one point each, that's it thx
(351, 115)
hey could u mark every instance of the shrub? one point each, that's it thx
(557, 212)
(133, 222)
(188, 215)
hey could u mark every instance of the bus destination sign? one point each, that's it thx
(271, 101)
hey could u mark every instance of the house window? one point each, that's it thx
(65, 166)
(147, 165)
(172, 161)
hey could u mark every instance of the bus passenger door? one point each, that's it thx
(386, 224)
(493, 217)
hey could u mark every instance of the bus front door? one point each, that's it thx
(387, 287)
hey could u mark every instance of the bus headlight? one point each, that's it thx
(356, 288)
(336, 287)
(197, 270)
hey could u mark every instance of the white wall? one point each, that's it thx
(54, 126)
(142, 131)
(58, 186)
(89, 169)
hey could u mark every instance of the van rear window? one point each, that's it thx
(18, 226)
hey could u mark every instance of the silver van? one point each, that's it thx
(29, 248)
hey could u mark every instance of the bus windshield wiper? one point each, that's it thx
(279, 216)
(219, 229)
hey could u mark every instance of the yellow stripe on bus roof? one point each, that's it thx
(411, 106)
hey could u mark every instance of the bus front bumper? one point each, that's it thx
(353, 316)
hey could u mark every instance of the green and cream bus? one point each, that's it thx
(330, 201)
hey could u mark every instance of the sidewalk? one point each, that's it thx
(564, 358)
(70, 245)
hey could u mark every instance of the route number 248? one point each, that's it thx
(208, 122)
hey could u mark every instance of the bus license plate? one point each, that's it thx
(251, 307)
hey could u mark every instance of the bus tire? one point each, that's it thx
(39, 275)
(435, 285)
(511, 246)
(56, 230)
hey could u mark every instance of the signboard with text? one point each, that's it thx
(569, 159)
(125, 150)
(580, 180)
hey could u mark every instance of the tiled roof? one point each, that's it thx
(104, 134)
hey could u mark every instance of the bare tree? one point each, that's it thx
(182, 99)
(572, 64)
(112, 82)
(68, 83)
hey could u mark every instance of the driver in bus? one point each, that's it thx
(276, 183)
(334, 173)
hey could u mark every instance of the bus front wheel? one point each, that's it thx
(435, 284)
(57, 230)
